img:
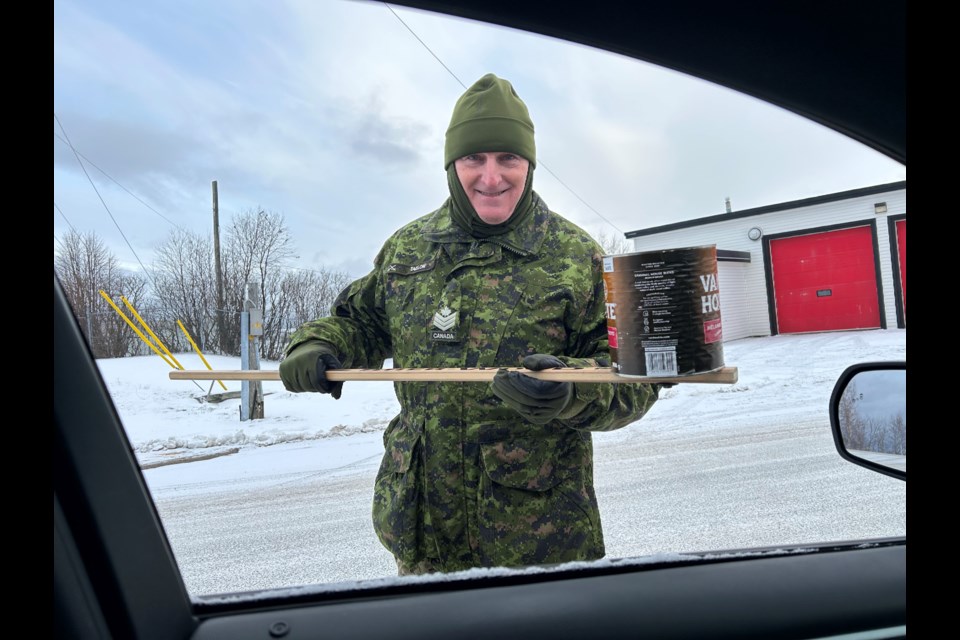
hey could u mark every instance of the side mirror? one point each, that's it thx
(868, 416)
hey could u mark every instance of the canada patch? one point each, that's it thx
(444, 325)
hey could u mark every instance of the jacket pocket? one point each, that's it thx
(397, 500)
(526, 463)
(534, 503)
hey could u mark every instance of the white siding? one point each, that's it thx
(737, 313)
(743, 292)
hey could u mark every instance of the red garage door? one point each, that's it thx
(902, 254)
(825, 281)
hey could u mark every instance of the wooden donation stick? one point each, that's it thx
(724, 375)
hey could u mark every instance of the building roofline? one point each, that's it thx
(783, 206)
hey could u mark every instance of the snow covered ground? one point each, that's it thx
(710, 467)
(781, 378)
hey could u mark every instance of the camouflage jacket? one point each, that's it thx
(465, 481)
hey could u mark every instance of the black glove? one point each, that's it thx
(305, 369)
(539, 401)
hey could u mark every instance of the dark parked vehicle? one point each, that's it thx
(115, 576)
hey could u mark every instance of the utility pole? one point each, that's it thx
(221, 333)
(251, 326)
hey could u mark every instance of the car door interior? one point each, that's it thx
(115, 575)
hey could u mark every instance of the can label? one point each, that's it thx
(663, 312)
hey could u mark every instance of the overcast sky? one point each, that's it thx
(333, 112)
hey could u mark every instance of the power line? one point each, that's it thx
(132, 194)
(112, 179)
(541, 163)
(577, 196)
(109, 213)
(67, 220)
(424, 45)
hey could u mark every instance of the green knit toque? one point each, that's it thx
(490, 116)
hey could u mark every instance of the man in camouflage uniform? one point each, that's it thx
(481, 475)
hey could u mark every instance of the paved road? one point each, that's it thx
(659, 491)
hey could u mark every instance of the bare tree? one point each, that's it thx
(853, 427)
(612, 244)
(303, 295)
(898, 432)
(85, 266)
(259, 246)
(870, 433)
(185, 284)
(259, 249)
(891, 435)
(313, 296)
(876, 435)
(118, 338)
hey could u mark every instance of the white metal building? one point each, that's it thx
(828, 263)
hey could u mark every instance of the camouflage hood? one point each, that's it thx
(524, 236)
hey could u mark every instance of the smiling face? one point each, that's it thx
(493, 182)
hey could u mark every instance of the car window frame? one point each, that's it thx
(114, 567)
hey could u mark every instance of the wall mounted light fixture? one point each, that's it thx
(755, 233)
(880, 207)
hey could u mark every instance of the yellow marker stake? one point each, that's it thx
(197, 349)
(138, 332)
(150, 331)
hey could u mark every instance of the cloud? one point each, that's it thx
(334, 111)
(390, 142)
